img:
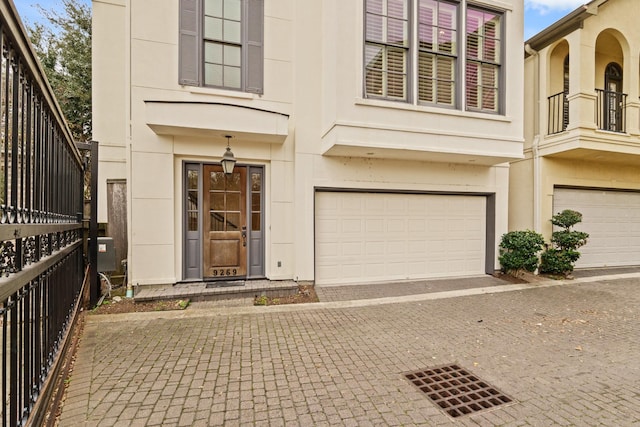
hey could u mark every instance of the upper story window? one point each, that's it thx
(415, 52)
(438, 52)
(613, 100)
(221, 44)
(483, 59)
(386, 49)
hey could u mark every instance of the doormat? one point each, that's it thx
(225, 283)
(456, 391)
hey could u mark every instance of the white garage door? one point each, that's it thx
(368, 237)
(612, 219)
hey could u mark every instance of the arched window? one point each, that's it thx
(565, 89)
(614, 99)
(565, 70)
(613, 78)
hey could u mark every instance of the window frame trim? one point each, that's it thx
(409, 96)
(460, 74)
(191, 42)
(501, 97)
(243, 48)
(457, 100)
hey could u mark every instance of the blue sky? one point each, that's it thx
(29, 13)
(538, 13)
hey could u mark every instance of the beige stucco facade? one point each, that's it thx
(311, 129)
(580, 144)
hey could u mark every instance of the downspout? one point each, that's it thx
(537, 175)
(129, 143)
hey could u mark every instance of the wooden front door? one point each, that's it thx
(225, 223)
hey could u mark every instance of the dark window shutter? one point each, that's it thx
(189, 43)
(255, 55)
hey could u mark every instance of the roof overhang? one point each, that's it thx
(562, 27)
(205, 119)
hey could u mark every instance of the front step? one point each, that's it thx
(212, 291)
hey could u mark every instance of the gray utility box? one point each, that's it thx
(106, 254)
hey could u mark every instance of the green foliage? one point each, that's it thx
(183, 304)
(569, 240)
(64, 49)
(566, 219)
(555, 261)
(519, 250)
(561, 258)
(261, 300)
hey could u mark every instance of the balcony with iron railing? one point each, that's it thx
(558, 110)
(611, 111)
(600, 128)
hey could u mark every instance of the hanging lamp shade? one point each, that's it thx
(228, 159)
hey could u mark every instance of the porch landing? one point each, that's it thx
(208, 291)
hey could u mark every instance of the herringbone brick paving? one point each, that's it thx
(569, 355)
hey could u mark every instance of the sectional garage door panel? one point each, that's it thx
(367, 237)
(612, 219)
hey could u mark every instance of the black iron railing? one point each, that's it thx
(41, 198)
(611, 111)
(558, 113)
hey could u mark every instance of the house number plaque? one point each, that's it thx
(221, 272)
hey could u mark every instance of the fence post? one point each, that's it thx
(94, 284)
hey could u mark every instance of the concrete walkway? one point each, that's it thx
(567, 352)
(218, 291)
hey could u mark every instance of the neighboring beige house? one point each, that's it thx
(372, 137)
(582, 131)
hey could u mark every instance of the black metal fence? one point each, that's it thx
(611, 111)
(558, 113)
(41, 200)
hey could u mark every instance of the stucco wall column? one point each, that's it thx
(632, 87)
(582, 99)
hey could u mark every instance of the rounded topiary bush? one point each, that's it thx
(561, 258)
(519, 250)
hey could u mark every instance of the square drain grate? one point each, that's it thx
(457, 391)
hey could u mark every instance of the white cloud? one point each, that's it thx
(545, 6)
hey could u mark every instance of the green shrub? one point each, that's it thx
(569, 240)
(519, 250)
(561, 258)
(261, 300)
(555, 261)
(566, 219)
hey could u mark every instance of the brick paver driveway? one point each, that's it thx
(569, 355)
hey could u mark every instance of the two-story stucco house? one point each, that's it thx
(582, 131)
(372, 138)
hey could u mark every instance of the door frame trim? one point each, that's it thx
(199, 166)
(184, 173)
